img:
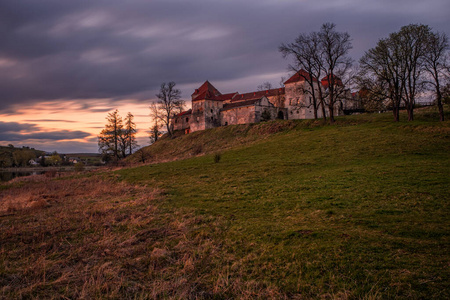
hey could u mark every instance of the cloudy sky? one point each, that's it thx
(65, 64)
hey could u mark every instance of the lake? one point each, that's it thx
(9, 175)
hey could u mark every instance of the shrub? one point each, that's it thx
(79, 167)
(217, 157)
(197, 149)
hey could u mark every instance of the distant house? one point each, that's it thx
(210, 108)
(74, 160)
(33, 163)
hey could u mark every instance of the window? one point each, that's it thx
(211, 110)
(310, 100)
(187, 119)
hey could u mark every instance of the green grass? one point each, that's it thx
(357, 210)
(293, 209)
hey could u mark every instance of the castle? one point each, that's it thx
(210, 108)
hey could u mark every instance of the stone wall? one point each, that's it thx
(205, 114)
(181, 122)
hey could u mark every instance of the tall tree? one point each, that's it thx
(168, 104)
(128, 137)
(109, 137)
(306, 51)
(437, 65)
(411, 43)
(400, 62)
(336, 63)
(322, 53)
(155, 132)
(381, 67)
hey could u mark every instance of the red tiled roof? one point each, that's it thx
(224, 97)
(208, 91)
(337, 81)
(299, 76)
(239, 104)
(187, 112)
(258, 95)
(206, 87)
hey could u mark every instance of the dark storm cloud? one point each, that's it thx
(13, 131)
(63, 50)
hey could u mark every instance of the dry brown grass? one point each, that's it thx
(101, 238)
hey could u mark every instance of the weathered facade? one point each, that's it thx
(211, 109)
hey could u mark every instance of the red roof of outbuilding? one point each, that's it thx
(299, 76)
(258, 95)
(224, 97)
(239, 104)
(187, 112)
(325, 81)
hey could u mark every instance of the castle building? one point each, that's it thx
(210, 108)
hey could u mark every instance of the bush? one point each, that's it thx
(217, 157)
(197, 149)
(79, 167)
(266, 116)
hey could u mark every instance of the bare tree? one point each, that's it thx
(318, 54)
(411, 43)
(399, 62)
(437, 65)
(143, 155)
(168, 104)
(264, 86)
(306, 51)
(336, 64)
(155, 132)
(382, 73)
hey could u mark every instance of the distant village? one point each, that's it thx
(12, 157)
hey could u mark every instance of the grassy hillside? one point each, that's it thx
(355, 210)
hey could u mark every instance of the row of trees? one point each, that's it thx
(403, 66)
(118, 139)
(322, 54)
(16, 157)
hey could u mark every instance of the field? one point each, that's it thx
(286, 209)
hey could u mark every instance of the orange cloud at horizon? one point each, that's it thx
(88, 116)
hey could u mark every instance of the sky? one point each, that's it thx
(65, 64)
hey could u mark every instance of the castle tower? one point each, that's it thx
(206, 106)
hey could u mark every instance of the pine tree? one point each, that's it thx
(129, 135)
(109, 137)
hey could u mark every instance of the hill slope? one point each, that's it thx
(355, 210)
(351, 210)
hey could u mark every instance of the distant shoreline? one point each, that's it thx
(44, 169)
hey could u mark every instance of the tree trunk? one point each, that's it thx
(441, 110)
(396, 112)
(410, 109)
(439, 105)
(331, 110)
(315, 108)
